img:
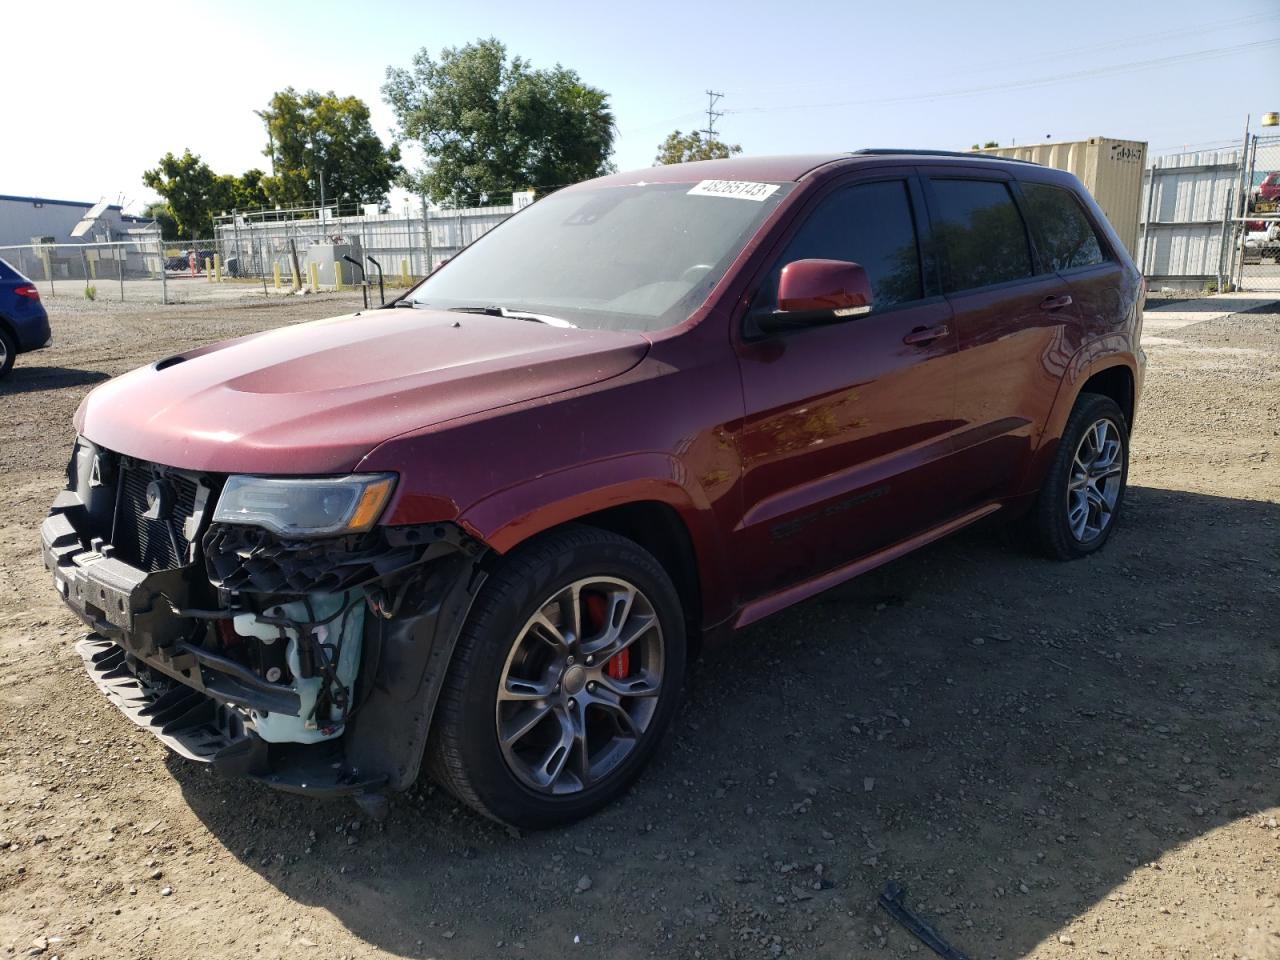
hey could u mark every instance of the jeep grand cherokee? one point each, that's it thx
(485, 525)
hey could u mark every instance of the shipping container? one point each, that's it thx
(1111, 170)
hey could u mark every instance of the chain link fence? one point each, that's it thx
(125, 270)
(1257, 236)
(1212, 218)
(261, 254)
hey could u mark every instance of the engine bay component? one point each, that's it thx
(309, 663)
(320, 639)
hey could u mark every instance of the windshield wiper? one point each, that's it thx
(495, 311)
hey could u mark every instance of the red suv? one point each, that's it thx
(486, 525)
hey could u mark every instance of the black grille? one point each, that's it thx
(156, 542)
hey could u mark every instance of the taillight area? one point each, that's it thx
(27, 290)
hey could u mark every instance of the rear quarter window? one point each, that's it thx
(1064, 236)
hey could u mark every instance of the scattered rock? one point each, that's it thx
(166, 891)
(584, 884)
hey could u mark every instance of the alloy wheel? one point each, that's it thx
(580, 685)
(1094, 485)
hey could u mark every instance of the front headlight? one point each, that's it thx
(306, 506)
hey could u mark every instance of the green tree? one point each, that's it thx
(490, 124)
(190, 188)
(313, 134)
(683, 147)
(988, 144)
(159, 211)
(247, 191)
(194, 194)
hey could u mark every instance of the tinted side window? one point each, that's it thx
(981, 233)
(1064, 234)
(870, 224)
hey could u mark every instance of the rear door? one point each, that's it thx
(846, 424)
(1012, 319)
(1069, 244)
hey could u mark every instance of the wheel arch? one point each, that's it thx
(658, 528)
(1097, 368)
(638, 498)
(1116, 382)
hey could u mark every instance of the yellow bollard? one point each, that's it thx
(217, 268)
(208, 269)
(337, 275)
(404, 272)
(313, 269)
(275, 273)
(297, 281)
(93, 269)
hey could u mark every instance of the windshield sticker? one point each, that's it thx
(738, 189)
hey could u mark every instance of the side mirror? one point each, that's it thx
(813, 292)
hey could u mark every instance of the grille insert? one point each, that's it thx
(152, 518)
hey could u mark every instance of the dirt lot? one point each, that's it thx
(1054, 760)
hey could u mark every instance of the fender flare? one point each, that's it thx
(508, 517)
(1091, 359)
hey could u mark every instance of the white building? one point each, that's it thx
(36, 219)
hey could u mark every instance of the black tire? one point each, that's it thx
(9, 352)
(464, 754)
(1049, 518)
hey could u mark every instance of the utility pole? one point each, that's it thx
(713, 97)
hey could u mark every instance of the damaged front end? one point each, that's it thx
(309, 662)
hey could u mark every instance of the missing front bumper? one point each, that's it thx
(196, 726)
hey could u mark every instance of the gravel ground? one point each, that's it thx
(1054, 760)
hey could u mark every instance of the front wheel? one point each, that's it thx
(565, 676)
(1081, 497)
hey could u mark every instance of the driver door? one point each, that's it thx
(847, 425)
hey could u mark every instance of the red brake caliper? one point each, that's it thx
(619, 665)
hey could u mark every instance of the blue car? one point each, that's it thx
(24, 325)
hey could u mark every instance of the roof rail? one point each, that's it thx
(971, 154)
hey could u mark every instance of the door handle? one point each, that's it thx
(926, 334)
(1056, 303)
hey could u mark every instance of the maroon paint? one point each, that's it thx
(823, 285)
(794, 461)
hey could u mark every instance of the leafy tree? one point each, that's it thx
(988, 144)
(490, 124)
(310, 134)
(683, 147)
(194, 194)
(159, 212)
(190, 188)
(247, 191)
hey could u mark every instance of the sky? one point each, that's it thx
(110, 87)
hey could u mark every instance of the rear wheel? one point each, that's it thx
(1082, 495)
(8, 351)
(565, 676)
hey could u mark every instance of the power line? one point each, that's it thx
(1073, 53)
(1119, 68)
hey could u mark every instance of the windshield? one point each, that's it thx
(634, 257)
